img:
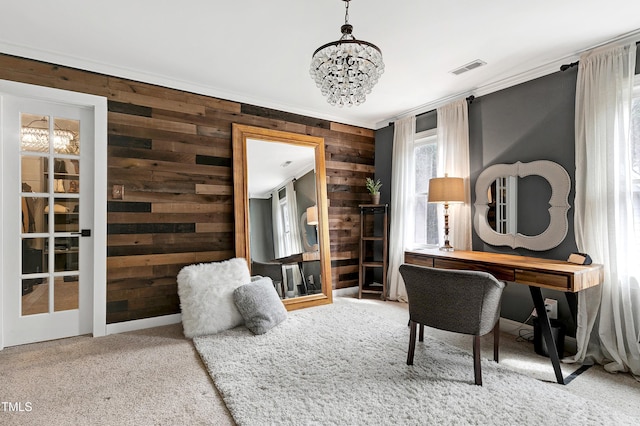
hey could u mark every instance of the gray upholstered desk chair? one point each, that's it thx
(466, 302)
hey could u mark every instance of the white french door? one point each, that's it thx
(47, 190)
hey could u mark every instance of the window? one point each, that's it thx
(635, 157)
(426, 162)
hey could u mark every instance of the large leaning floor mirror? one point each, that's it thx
(281, 219)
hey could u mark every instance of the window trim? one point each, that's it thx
(421, 137)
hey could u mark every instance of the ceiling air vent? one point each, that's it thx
(468, 67)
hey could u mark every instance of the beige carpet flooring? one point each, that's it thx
(147, 377)
(155, 377)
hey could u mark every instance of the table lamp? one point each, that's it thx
(446, 190)
(312, 215)
(312, 219)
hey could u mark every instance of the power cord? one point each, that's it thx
(523, 335)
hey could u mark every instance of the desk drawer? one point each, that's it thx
(418, 259)
(543, 279)
(500, 272)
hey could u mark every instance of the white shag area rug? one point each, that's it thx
(341, 364)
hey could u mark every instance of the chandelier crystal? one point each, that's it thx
(346, 70)
(37, 140)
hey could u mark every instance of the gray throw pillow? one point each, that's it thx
(259, 305)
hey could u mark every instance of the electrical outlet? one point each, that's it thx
(551, 306)
(117, 192)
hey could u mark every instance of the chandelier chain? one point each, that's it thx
(346, 12)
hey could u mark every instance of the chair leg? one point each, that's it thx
(477, 371)
(412, 341)
(496, 341)
(421, 337)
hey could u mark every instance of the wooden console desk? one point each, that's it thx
(300, 258)
(531, 271)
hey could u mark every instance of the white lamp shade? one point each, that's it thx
(446, 190)
(312, 215)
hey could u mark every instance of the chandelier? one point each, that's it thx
(346, 70)
(37, 139)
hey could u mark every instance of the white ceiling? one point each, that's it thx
(258, 51)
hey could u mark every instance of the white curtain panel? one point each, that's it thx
(402, 203)
(278, 231)
(293, 244)
(453, 159)
(294, 219)
(608, 315)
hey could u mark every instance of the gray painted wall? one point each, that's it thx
(261, 229)
(261, 224)
(527, 122)
(531, 121)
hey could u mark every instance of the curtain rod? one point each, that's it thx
(468, 99)
(573, 64)
(567, 66)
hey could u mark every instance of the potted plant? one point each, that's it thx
(374, 189)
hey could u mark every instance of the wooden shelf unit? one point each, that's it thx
(372, 256)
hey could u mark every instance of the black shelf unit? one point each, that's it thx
(373, 256)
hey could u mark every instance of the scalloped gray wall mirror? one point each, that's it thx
(505, 177)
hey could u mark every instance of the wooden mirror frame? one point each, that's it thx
(239, 135)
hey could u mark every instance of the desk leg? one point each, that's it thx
(304, 279)
(572, 300)
(538, 303)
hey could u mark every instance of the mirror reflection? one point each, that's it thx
(518, 205)
(275, 214)
(522, 205)
(281, 187)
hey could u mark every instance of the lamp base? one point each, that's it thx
(446, 246)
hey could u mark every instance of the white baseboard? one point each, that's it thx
(123, 327)
(511, 327)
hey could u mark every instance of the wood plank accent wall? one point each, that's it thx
(172, 152)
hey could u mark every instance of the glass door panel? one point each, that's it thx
(66, 290)
(50, 199)
(66, 139)
(66, 212)
(34, 257)
(36, 300)
(66, 251)
(34, 133)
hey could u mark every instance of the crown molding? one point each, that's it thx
(62, 59)
(511, 81)
(216, 92)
